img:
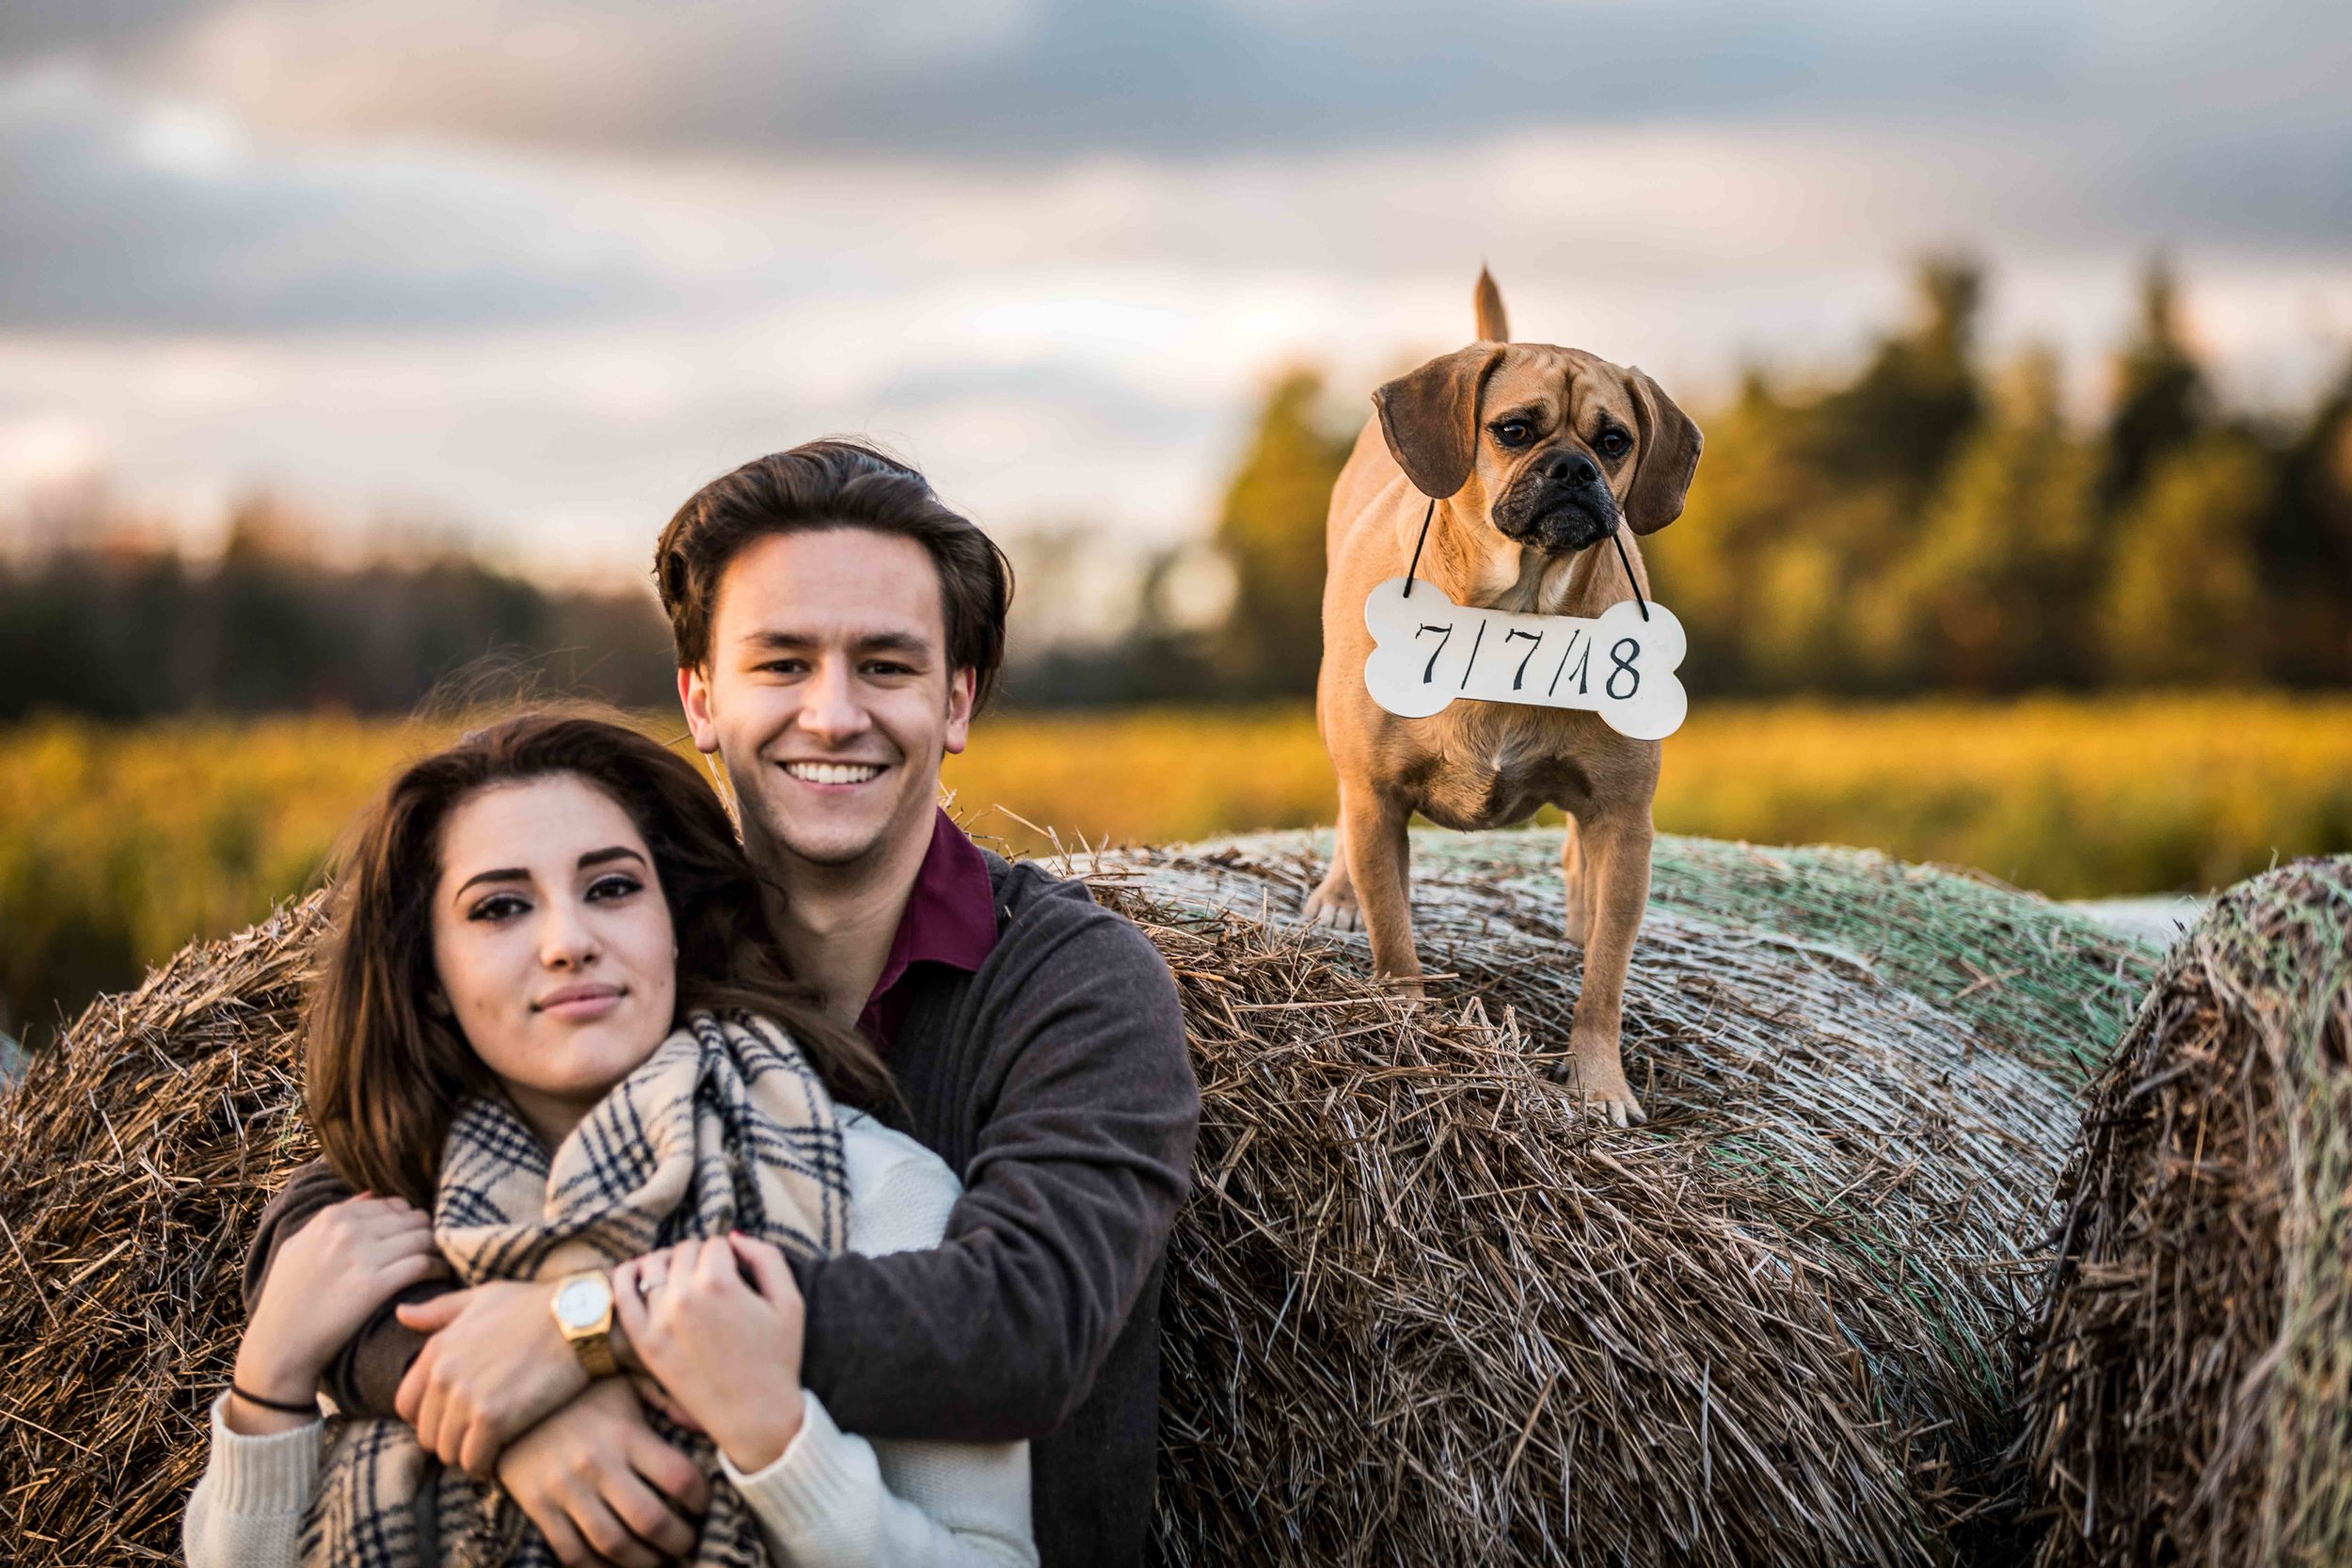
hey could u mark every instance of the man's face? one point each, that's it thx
(829, 694)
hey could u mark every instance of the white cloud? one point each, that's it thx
(557, 344)
(1036, 80)
(49, 452)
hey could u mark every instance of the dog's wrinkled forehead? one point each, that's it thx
(1576, 393)
(1449, 423)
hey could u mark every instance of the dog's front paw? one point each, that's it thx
(1601, 1090)
(1334, 910)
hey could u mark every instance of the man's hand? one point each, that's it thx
(725, 1347)
(601, 1486)
(328, 1277)
(496, 1366)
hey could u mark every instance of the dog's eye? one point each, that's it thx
(1513, 433)
(1616, 443)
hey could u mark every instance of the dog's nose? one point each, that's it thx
(1570, 468)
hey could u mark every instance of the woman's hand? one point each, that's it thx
(727, 1349)
(323, 1283)
(494, 1367)
(602, 1487)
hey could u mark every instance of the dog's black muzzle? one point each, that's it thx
(1558, 503)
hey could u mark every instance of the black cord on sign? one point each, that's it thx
(1418, 544)
(1635, 583)
(1617, 536)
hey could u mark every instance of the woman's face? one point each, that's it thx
(552, 944)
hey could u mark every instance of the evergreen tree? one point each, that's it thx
(1271, 530)
(2183, 604)
(1901, 421)
(2306, 547)
(2161, 398)
(1869, 456)
(1806, 505)
(1707, 563)
(1992, 597)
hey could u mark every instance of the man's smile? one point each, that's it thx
(836, 772)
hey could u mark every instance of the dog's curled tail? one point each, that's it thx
(1493, 326)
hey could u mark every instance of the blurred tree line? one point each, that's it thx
(105, 619)
(1930, 524)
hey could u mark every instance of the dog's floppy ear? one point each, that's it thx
(1670, 455)
(1430, 417)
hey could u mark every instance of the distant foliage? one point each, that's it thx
(1271, 529)
(2162, 399)
(2304, 548)
(1915, 530)
(1925, 524)
(2183, 600)
(105, 623)
(1988, 598)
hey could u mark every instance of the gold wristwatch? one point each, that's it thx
(583, 1312)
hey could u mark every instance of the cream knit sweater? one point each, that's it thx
(831, 1499)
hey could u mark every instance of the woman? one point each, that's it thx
(549, 1020)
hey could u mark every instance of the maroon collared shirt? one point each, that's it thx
(950, 919)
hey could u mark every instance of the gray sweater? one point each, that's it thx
(1056, 1081)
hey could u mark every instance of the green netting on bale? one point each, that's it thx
(2191, 1389)
(1861, 1080)
(2062, 990)
(2062, 985)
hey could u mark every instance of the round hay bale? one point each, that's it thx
(2190, 1393)
(1418, 1311)
(1422, 1313)
(135, 1160)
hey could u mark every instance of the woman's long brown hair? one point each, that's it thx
(386, 1071)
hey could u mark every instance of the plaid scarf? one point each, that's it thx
(724, 1127)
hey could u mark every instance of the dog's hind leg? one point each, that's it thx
(1580, 885)
(1333, 902)
(1616, 850)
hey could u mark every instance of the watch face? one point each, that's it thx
(582, 1302)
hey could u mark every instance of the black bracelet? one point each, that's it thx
(280, 1405)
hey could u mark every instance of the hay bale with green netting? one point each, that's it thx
(1418, 1312)
(2190, 1395)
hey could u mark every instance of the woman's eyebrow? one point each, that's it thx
(516, 874)
(506, 874)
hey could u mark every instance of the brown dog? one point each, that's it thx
(1536, 454)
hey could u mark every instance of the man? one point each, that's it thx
(837, 627)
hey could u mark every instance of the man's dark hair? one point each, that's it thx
(833, 484)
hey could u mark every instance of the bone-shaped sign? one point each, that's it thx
(1429, 650)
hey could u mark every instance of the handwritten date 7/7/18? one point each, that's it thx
(1419, 664)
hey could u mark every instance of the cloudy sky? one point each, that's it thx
(539, 268)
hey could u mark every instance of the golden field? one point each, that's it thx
(118, 845)
(2073, 798)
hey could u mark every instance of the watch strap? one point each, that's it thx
(595, 1350)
